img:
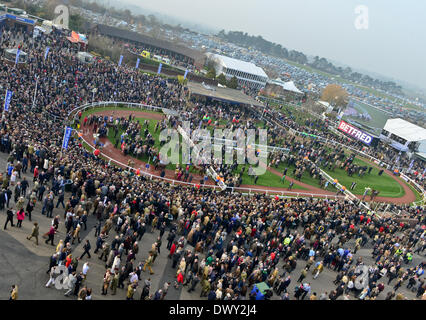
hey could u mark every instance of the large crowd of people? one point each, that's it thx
(221, 243)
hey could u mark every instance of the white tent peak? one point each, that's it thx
(288, 85)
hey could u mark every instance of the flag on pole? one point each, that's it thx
(17, 56)
(137, 63)
(159, 68)
(121, 60)
(7, 100)
(67, 136)
(46, 53)
(186, 73)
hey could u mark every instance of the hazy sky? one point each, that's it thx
(393, 45)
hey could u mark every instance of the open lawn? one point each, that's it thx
(378, 118)
(118, 108)
(387, 186)
(267, 179)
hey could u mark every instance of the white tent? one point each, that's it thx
(288, 86)
(405, 130)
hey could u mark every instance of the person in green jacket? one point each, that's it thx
(114, 282)
(34, 233)
(206, 287)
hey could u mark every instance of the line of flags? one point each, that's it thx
(160, 66)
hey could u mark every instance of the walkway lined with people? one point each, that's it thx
(219, 244)
(110, 151)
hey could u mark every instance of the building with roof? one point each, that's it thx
(247, 73)
(170, 49)
(16, 21)
(403, 135)
(216, 93)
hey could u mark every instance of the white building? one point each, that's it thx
(403, 135)
(247, 73)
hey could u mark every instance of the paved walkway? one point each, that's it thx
(24, 263)
(116, 154)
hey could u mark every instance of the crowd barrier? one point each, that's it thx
(410, 181)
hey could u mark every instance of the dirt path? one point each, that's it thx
(116, 154)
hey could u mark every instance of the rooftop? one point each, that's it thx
(144, 39)
(223, 94)
(405, 129)
(239, 65)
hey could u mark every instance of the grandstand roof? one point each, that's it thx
(240, 65)
(405, 129)
(223, 94)
(144, 39)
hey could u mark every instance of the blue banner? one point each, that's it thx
(67, 136)
(7, 100)
(46, 53)
(121, 60)
(17, 56)
(159, 68)
(137, 63)
(13, 17)
(186, 73)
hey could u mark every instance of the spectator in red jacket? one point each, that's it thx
(51, 235)
(35, 173)
(21, 216)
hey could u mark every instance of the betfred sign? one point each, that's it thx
(354, 132)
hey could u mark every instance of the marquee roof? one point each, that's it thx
(240, 65)
(289, 85)
(405, 129)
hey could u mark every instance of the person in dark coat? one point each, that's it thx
(9, 218)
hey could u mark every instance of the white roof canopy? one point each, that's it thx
(243, 66)
(289, 85)
(405, 130)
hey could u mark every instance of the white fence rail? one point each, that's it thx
(242, 190)
(364, 155)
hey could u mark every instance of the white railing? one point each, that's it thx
(104, 104)
(330, 179)
(242, 190)
(362, 154)
(233, 189)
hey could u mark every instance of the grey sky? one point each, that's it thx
(394, 44)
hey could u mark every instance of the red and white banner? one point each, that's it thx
(355, 132)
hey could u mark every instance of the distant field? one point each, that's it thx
(376, 122)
